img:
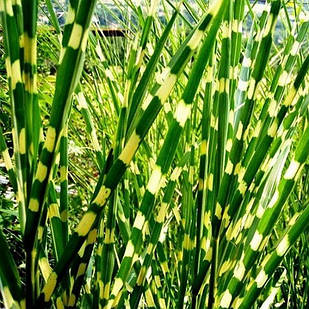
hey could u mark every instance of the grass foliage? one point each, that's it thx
(165, 168)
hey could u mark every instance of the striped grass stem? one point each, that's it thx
(266, 141)
(235, 147)
(135, 62)
(73, 54)
(163, 163)
(181, 207)
(246, 111)
(119, 166)
(266, 222)
(236, 201)
(7, 161)
(16, 86)
(155, 234)
(233, 228)
(297, 225)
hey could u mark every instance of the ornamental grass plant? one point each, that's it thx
(165, 168)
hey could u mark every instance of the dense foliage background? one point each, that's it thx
(184, 252)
